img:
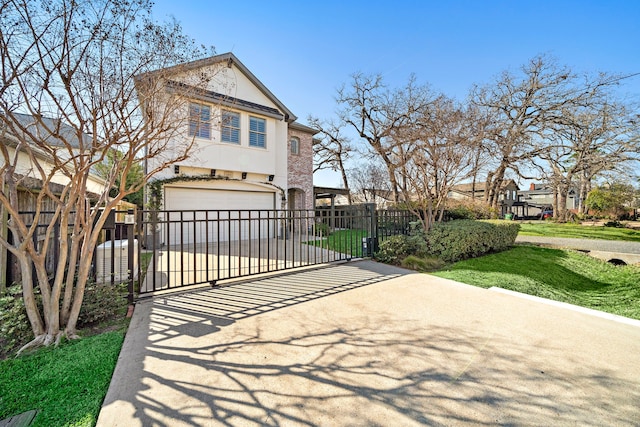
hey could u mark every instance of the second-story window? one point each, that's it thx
(200, 120)
(230, 127)
(257, 132)
(295, 146)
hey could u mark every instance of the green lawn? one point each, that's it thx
(344, 241)
(66, 384)
(551, 229)
(560, 275)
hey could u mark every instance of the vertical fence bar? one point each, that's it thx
(249, 241)
(195, 244)
(130, 224)
(206, 241)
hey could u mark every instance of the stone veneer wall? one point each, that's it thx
(300, 167)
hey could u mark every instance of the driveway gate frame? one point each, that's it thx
(177, 249)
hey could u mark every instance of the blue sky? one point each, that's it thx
(304, 50)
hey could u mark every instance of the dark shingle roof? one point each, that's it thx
(52, 131)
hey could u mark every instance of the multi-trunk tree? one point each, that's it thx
(551, 123)
(75, 90)
(374, 113)
(442, 150)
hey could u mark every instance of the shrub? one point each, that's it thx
(394, 249)
(15, 329)
(466, 209)
(321, 229)
(461, 239)
(424, 265)
(102, 302)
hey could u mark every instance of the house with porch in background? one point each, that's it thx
(476, 192)
(540, 197)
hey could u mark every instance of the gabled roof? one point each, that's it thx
(303, 128)
(480, 186)
(44, 127)
(230, 59)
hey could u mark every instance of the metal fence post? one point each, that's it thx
(130, 222)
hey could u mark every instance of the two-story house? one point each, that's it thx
(508, 201)
(249, 152)
(541, 196)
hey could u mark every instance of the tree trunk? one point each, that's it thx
(345, 181)
(494, 187)
(28, 295)
(561, 201)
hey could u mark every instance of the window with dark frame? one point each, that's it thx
(200, 120)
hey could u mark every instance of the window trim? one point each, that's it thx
(257, 132)
(294, 142)
(230, 127)
(199, 125)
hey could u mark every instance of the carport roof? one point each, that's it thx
(325, 192)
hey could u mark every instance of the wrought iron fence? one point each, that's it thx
(172, 249)
(193, 247)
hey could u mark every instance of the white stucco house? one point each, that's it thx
(24, 166)
(249, 152)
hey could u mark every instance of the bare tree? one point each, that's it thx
(369, 182)
(442, 152)
(598, 137)
(531, 112)
(522, 110)
(374, 113)
(71, 91)
(331, 150)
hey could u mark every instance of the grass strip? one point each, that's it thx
(577, 231)
(560, 275)
(343, 241)
(66, 384)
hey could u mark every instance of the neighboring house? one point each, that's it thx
(508, 196)
(30, 184)
(540, 196)
(26, 169)
(250, 153)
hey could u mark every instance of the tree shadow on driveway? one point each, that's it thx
(393, 350)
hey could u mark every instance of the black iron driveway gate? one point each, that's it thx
(182, 248)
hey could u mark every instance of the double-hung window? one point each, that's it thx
(200, 120)
(257, 132)
(230, 127)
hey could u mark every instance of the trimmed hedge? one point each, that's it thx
(394, 249)
(450, 241)
(461, 239)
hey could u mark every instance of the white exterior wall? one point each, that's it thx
(233, 159)
(25, 167)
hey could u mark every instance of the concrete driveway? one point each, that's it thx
(366, 344)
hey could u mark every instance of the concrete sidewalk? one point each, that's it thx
(363, 343)
(584, 244)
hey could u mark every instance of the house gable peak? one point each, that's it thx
(229, 60)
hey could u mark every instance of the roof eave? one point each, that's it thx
(231, 59)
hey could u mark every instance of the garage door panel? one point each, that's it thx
(199, 216)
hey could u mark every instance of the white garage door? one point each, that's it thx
(206, 216)
(207, 199)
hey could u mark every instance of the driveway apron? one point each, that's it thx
(363, 343)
